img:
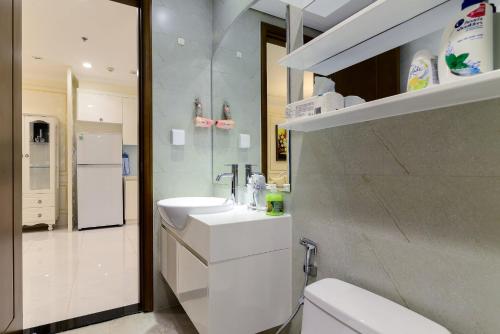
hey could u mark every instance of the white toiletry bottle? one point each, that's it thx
(467, 46)
(423, 71)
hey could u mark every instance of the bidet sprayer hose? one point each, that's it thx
(309, 270)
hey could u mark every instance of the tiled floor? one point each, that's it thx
(172, 321)
(70, 274)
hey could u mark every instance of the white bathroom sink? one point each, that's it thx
(175, 211)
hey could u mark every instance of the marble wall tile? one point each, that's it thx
(180, 74)
(407, 207)
(190, 19)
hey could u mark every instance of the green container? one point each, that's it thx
(275, 202)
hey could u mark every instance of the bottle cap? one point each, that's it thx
(468, 3)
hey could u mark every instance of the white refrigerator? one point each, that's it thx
(99, 180)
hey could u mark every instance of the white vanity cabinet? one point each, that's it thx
(94, 106)
(40, 170)
(230, 271)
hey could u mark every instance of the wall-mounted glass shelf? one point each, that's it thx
(467, 90)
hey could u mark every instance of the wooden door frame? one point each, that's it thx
(16, 324)
(146, 227)
(146, 156)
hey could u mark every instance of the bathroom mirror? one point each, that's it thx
(247, 78)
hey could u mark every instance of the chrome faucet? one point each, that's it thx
(249, 171)
(234, 181)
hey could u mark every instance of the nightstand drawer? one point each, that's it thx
(39, 214)
(38, 201)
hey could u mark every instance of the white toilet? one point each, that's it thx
(335, 307)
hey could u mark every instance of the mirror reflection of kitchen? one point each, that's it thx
(80, 159)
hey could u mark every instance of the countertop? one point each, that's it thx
(239, 214)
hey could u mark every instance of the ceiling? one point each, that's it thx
(53, 30)
(344, 9)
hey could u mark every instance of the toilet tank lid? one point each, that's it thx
(367, 312)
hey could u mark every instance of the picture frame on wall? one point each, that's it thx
(281, 136)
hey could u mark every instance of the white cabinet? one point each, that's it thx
(182, 270)
(102, 107)
(130, 121)
(220, 267)
(40, 170)
(99, 107)
(169, 258)
(131, 192)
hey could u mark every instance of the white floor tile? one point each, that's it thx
(71, 274)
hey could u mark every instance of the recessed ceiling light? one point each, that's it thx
(37, 57)
(134, 72)
(110, 69)
(87, 65)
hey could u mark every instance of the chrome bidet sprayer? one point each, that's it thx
(311, 250)
(310, 270)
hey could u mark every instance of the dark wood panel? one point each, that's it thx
(372, 79)
(6, 164)
(146, 156)
(134, 3)
(10, 167)
(388, 73)
(17, 325)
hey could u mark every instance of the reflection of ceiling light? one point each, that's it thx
(37, 57)
(90, 106)
(87, 65)
(161, 15)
